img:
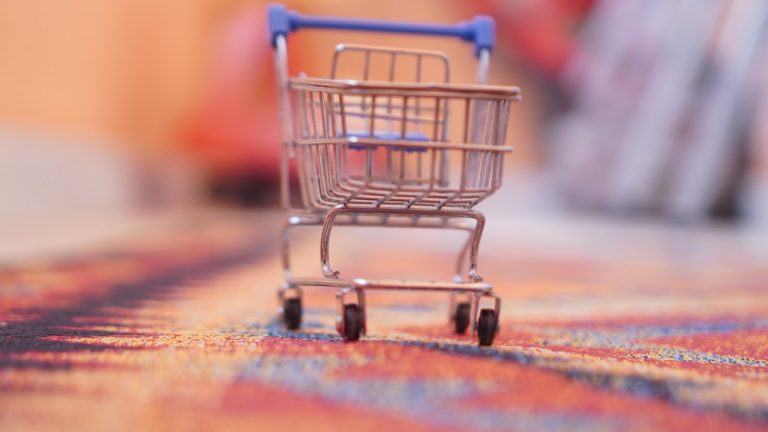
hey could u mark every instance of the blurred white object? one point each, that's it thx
(44, 177)
(662, 98)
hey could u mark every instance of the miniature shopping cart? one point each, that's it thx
(391, 148)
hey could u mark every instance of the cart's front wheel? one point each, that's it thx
(353, 322)
(292, 313)
(487, 326)
(461, 318)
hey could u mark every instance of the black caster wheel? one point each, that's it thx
(292, 313)
(486, 327)
(461, 318)
(353, 322)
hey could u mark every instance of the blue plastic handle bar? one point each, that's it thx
(480, 31)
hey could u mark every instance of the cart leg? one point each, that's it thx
(488, 322)
(475, 247)
(286, 249)
(325, 239)
(460, 312)
(350, 318)
(497, 306)
(473, 243)
(289, 297)
(361, 304)
(474, 311)
(340, 310)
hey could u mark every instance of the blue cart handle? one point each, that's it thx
(479, 31)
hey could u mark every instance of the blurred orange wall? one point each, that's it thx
(131, 72)
(125, 69)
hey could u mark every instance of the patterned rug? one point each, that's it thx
(180, 331)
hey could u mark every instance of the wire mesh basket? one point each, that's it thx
(393, 144)
(382, 144)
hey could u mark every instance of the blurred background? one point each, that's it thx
(633, 110)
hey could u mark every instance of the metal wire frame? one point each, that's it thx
(394, 54)
(325, 143)
(406, 123)
(471, 289)
(466, 263)
(393, 63)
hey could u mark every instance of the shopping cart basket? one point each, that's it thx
(394, 151)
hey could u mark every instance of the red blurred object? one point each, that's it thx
(538, 31)
(236, 132)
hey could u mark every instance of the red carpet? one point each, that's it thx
(180, 332)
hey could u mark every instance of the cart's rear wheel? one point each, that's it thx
(461, 317)
(353, 322)
(487, 326)
(292, 313)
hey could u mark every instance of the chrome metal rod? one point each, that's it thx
(330, 219)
